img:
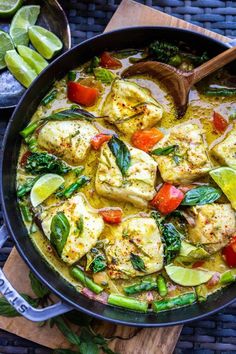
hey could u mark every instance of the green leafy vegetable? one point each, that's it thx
(201, 195)
(49, 97)
(196, 60)
(7, 310)
(71, 114)
(94, 63)
(80, 225)
(163, 51)
(26, 187)
(60, 229)
(121, 154)
(98, 264)
(39, 163)
(71, 76)
(137, 262)
(164, 151)
(104, 75)
(38, 288)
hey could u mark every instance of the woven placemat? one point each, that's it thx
(216, 334)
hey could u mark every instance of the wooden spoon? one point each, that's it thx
(179, 82)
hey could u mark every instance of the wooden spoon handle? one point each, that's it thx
(214, 64)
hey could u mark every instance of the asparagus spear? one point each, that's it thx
(49, 98)
(127, 302)
(77, 273)
(26, 187)
(32, 143)
(78, 170)
(81, 181)
(201, 292)
(142, 286)
(27, 216)
(161, 286)
(227, 277)
(181, 300)
(30, 129)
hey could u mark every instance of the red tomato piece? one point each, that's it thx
(111, 216)
(99, 139)
(213, 281)
(219, 122)
(198, 264)
(229, 253)
(109, 62)
(84, 95)
(167, 199)
(146, 139)
(24, 158)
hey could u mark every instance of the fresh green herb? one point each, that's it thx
(144, 285)
(39, 163)
(164, 151)
(104, 75)
(60, 229)
(121, 154)
(125, 53)
(196, 60)
(137, 262)
(181, 300)
(71, 114)
(74, 187)
(201, 195)
(220, 92)
(94, 63)
(127, 302)
(163, 51)
(30, 129)
(25, 211)
(78, 170)
(80, 225)
(98, 264)
(161, 286)
(25, 188)
(71, 76)
(77, 273)
(49, 97)
(176, 60)
(38, 288)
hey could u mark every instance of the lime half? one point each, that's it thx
(5, 45)
(34, 59)
(187, 277)
(225, 177)
(9, 7)
(44, 187)
(25, 17)
(44, 41)
(19, 68)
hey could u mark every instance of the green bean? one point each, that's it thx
(181, 300)
(30, 129)
(161, 285)
(77, 273)
(49, 97)
(227, 277)
(26, 187)
(142, 286)
(27, 216)
(201, 292)
(220, 92)
(81, 181)
(127, 302)
(71, 76)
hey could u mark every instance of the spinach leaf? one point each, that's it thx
(163, 51)
(38, 288)
(201, 195)
(104, 75)
(39, 163)
(164, 151)
(121, 153)
(71, 114)
(137, 262)
(172, 238)
(98, 264)
(60, 229)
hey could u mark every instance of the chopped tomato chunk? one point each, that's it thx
(111, 216)
(146, 139)
(197, 264)
(213, 281)
(229, 253)
(109, 62)
(24, 158)
(219, 122)
(87, 96)
(167, 199)
(99, 139)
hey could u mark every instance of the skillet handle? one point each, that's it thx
(19, 303)
(232, 43)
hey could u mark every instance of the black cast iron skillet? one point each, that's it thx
(125, 38)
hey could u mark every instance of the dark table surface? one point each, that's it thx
(216, 334)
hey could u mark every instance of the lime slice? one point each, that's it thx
(187, 277)
(34, 59)
(19, 68)
(9, 7)
(44, 187)
(44, 41)
(5, 45)
(25, 17)
(225, 177)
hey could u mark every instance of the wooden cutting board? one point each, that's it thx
(146, 341)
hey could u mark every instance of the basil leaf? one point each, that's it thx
(71, 114)
(60, 229)
(125, 53)
(88, 344)
(121, 153)
(172, 238)
(164, 151)
(7, 310)
(70, 335)
(38, 288)
(201, 195)
(137, 262)
(98, 264)
(104, 75)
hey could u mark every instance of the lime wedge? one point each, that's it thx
(225, 177)
(9, 7)
(191, 253)
(44, 187)
(19, 68)
(34, 59)
(5, 45)
(25, 17)
(44, 41)
(187, 277)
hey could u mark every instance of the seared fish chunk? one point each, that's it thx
(225, 151)
(69, 140)
(135, 238)
(214, 225)
(81, 238)
(188, 160)
(136, 187)
(128, 99)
